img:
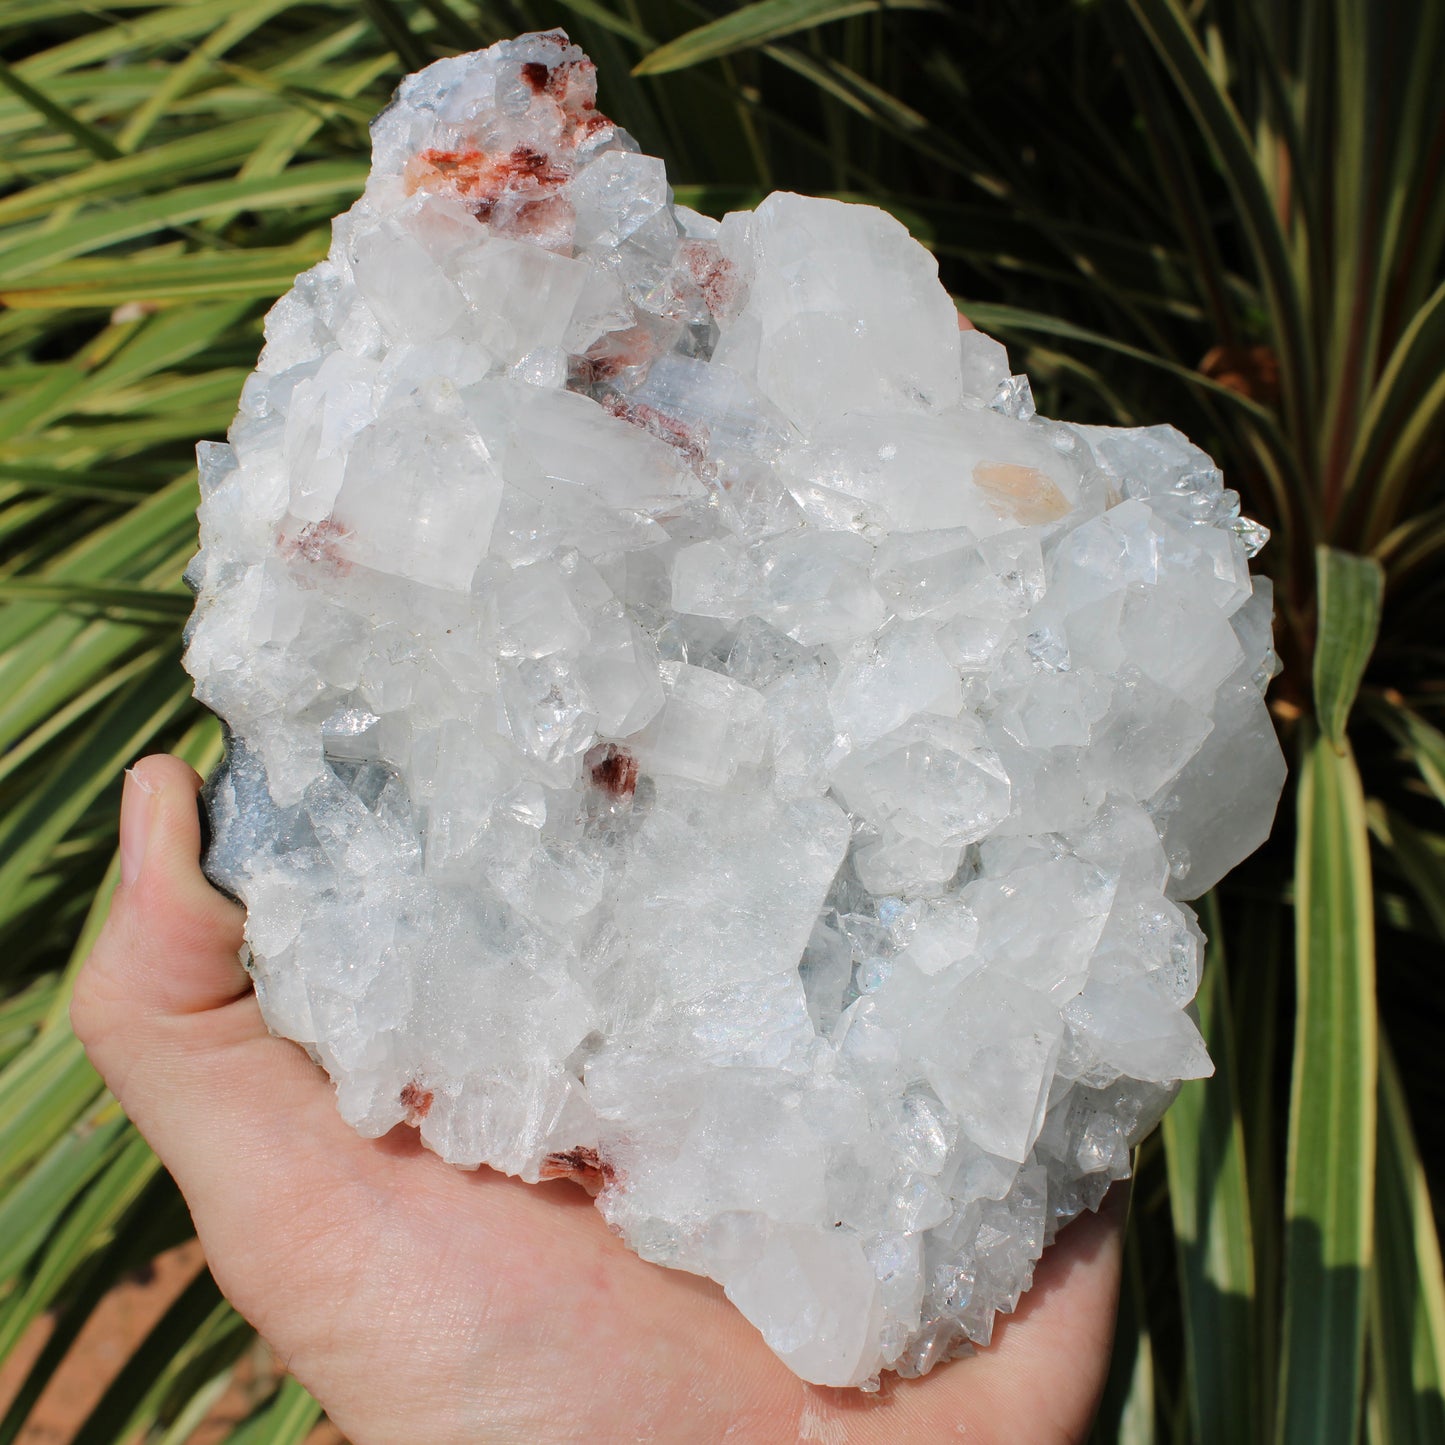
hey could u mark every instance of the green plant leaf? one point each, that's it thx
(1351, 593)
(33, 633)
(1168, 140)
(88, 765)
(756, 25)
(1420, 858)
(77, 1242)
(85, 654)
(1407, 1295)
(1127, 1410)
(1174, 36)
(93, 140)
(163, 165)
(124, 604)
(57, 481)
(147, 1225)
(317, 184)
(28, 1211)
(262, 273)
(22, 1014)
(1329, 1185)
(181, 77)
(1404, 405)
(391, 24)
(1209, 1197)
(43, 1092)
(163, 27)
(287, 1418)
(198, 1334)
(1424, 743)
(1261, 933)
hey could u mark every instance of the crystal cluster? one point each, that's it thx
(694, 729)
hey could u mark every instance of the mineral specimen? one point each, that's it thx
(694, 729)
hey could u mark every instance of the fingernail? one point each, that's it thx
(136, 806)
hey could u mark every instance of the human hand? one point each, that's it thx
(424, 1305)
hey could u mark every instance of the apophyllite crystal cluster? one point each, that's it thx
(694, 729)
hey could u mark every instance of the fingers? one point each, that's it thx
(964, 324)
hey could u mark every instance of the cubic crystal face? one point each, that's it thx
(695, 729)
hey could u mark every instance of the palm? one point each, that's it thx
(419, 1302)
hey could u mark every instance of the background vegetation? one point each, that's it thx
(1225, 213)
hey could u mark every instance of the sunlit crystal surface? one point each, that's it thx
(695, 729)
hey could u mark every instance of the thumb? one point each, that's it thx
(172, 942)
(164, 1007)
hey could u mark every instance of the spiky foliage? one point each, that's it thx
(1226, 214)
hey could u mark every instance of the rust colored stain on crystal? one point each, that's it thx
(582, 1165)
(617, 350)
(317, 542)
(416, 1101)
(680, 438)
(561, 82)
(524, 161)
(557, 80)
(715, 275)
(453, 163)
(612, 769)
(480, 181)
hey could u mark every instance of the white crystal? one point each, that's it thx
(690, 716)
